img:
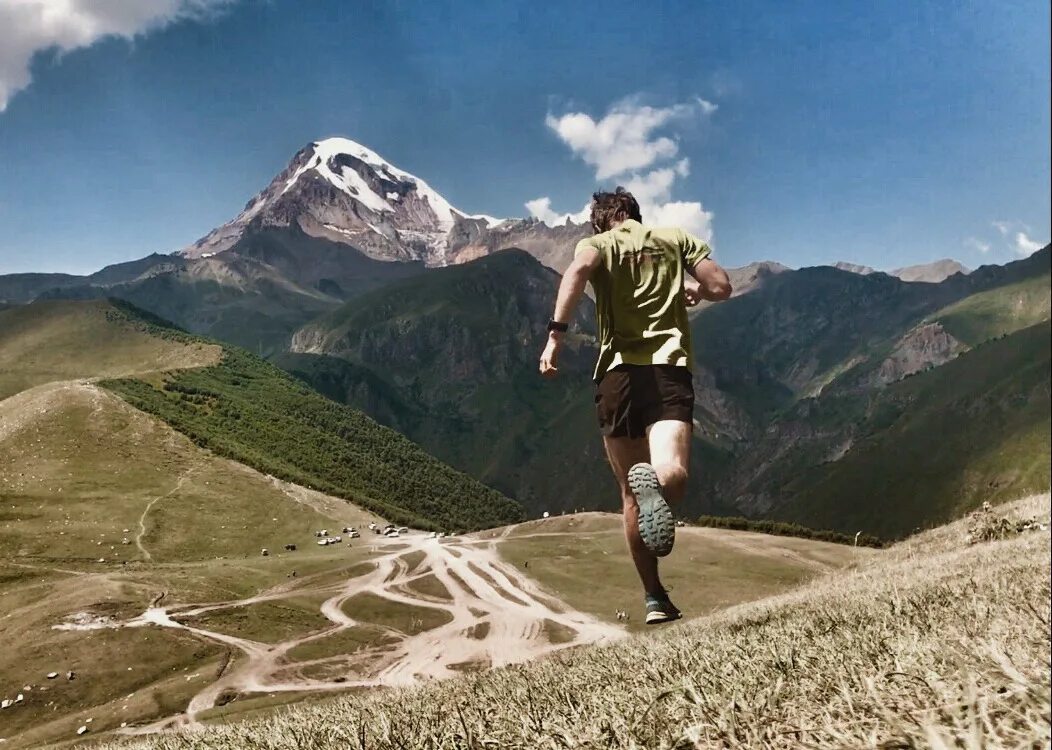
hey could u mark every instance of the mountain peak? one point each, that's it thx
(342, 190)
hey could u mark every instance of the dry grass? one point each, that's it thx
(937, 643)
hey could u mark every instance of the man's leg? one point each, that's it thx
(669, 446)
(624, 453)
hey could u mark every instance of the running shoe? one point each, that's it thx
(657, 527)
(660, 609)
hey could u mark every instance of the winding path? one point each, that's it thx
(483, 590)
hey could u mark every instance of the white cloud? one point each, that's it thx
(623, 143)
(1025, 246)
(1004, 227)
(31, 26)
(624, 139)
(977, 244)
(541, 208)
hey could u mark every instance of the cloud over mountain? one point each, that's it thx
(28, 27)
(627, 145)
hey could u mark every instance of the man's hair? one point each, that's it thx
(610, 208)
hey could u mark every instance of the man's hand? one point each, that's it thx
(691, 290)
(550, 356)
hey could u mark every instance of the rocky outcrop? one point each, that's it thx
(922, 348)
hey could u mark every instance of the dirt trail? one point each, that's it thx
(482, 589)
(142, 519)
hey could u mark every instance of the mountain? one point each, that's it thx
(338, 221)
(930, 447)
(19, 288)
(345, 192)
(449, 359)
(255, 295)
(936, 271)
(809, 359)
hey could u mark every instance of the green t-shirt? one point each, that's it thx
(638, 286)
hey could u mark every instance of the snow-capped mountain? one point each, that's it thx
(340, 190)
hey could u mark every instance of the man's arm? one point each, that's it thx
(714, 284)
(570, 290)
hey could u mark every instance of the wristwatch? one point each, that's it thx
(555, 325)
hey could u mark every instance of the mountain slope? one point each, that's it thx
(268, 284)
(998, 311)
(245, 409)
(250, 411)
(938, 444)
(449, 358)
(65, 340)
(808, 414)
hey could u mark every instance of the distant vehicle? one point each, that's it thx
(391, 533)
(353, 534)
(372, 527)
(403, 530)
(323, 542)
(290, 547)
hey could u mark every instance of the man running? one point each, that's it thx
(644, 393)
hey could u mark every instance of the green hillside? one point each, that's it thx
(248, 410)
(995, 312)
(938, 444)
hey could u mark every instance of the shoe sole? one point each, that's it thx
(656, 618)
(657, 527)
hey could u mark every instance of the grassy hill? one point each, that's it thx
(63, 340)
(935, 643)
(103, 508)
(242, 408)
(248, 410)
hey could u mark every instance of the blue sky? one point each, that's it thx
(883, 133)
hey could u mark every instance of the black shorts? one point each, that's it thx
(630, 398)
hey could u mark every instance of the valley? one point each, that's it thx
(371, 289)
(143, 556)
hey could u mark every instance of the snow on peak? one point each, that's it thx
(329, 148)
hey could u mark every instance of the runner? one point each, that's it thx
(643, 278)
